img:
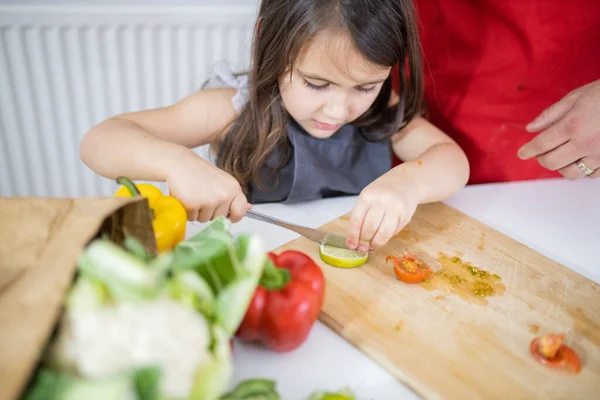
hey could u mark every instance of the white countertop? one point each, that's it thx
(558, 218)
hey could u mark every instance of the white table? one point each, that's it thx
(558, 218)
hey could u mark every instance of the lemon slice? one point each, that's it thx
(335, 397)
(341, 258)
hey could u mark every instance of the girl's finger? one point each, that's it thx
(238, 208)
(401, 224)
(371, 224)
(386, 230)
(221, 211)
(356, 222)
(206, 213)
(192, 215)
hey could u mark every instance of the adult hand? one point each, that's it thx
(569, 141)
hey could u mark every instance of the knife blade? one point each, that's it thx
(314, 235)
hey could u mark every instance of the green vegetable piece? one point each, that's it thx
(253, 389)
(233, 300)
(188, 288)
(212, 378)
(139, 384)
(87, 292)
(231, 267)
(135, 247)
(124, 274)
(147, 383)
(211, 253)
(344, 394)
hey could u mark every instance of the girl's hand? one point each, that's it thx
(382, 210)
(206, 191)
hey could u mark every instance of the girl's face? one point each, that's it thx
(332, 84)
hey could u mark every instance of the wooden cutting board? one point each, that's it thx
(444, 342)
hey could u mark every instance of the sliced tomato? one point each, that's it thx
(409, 268)
(549, 344)
(564, 357)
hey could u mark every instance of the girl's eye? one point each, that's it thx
(366, 90)
(316, 87)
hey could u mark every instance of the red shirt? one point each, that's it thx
(491, 66)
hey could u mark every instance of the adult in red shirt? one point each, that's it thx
(516, 84)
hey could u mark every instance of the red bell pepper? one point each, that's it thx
(286, 303)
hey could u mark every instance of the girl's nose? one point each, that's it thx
(336, 109)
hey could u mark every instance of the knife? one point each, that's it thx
(314, 235)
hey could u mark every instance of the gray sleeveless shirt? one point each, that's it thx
(341, 165)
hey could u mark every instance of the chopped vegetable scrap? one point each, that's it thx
(550, 351)
(464, 279)
(409, 268)
(533, 328)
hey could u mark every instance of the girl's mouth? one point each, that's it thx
(324, 126)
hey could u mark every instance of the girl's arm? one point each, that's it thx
(434, 167)
(155, 145)
(146, 144)
(433, 164)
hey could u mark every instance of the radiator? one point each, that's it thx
(67, 65)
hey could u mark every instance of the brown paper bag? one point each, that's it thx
(40, 240)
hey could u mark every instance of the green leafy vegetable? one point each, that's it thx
(231, 267)
(187, 287)
(234, 299)
(135, 247)
(138, 384)
(169, 319)
(211, 380)
(253, 389)
(88, 292)
(126, 276)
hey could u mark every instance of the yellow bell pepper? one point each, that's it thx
(169, 218)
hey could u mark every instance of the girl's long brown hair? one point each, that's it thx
(384, 31)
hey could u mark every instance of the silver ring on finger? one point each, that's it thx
(584, 168)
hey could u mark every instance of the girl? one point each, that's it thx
(317, 119)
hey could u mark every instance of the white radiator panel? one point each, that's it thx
(64, 69)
